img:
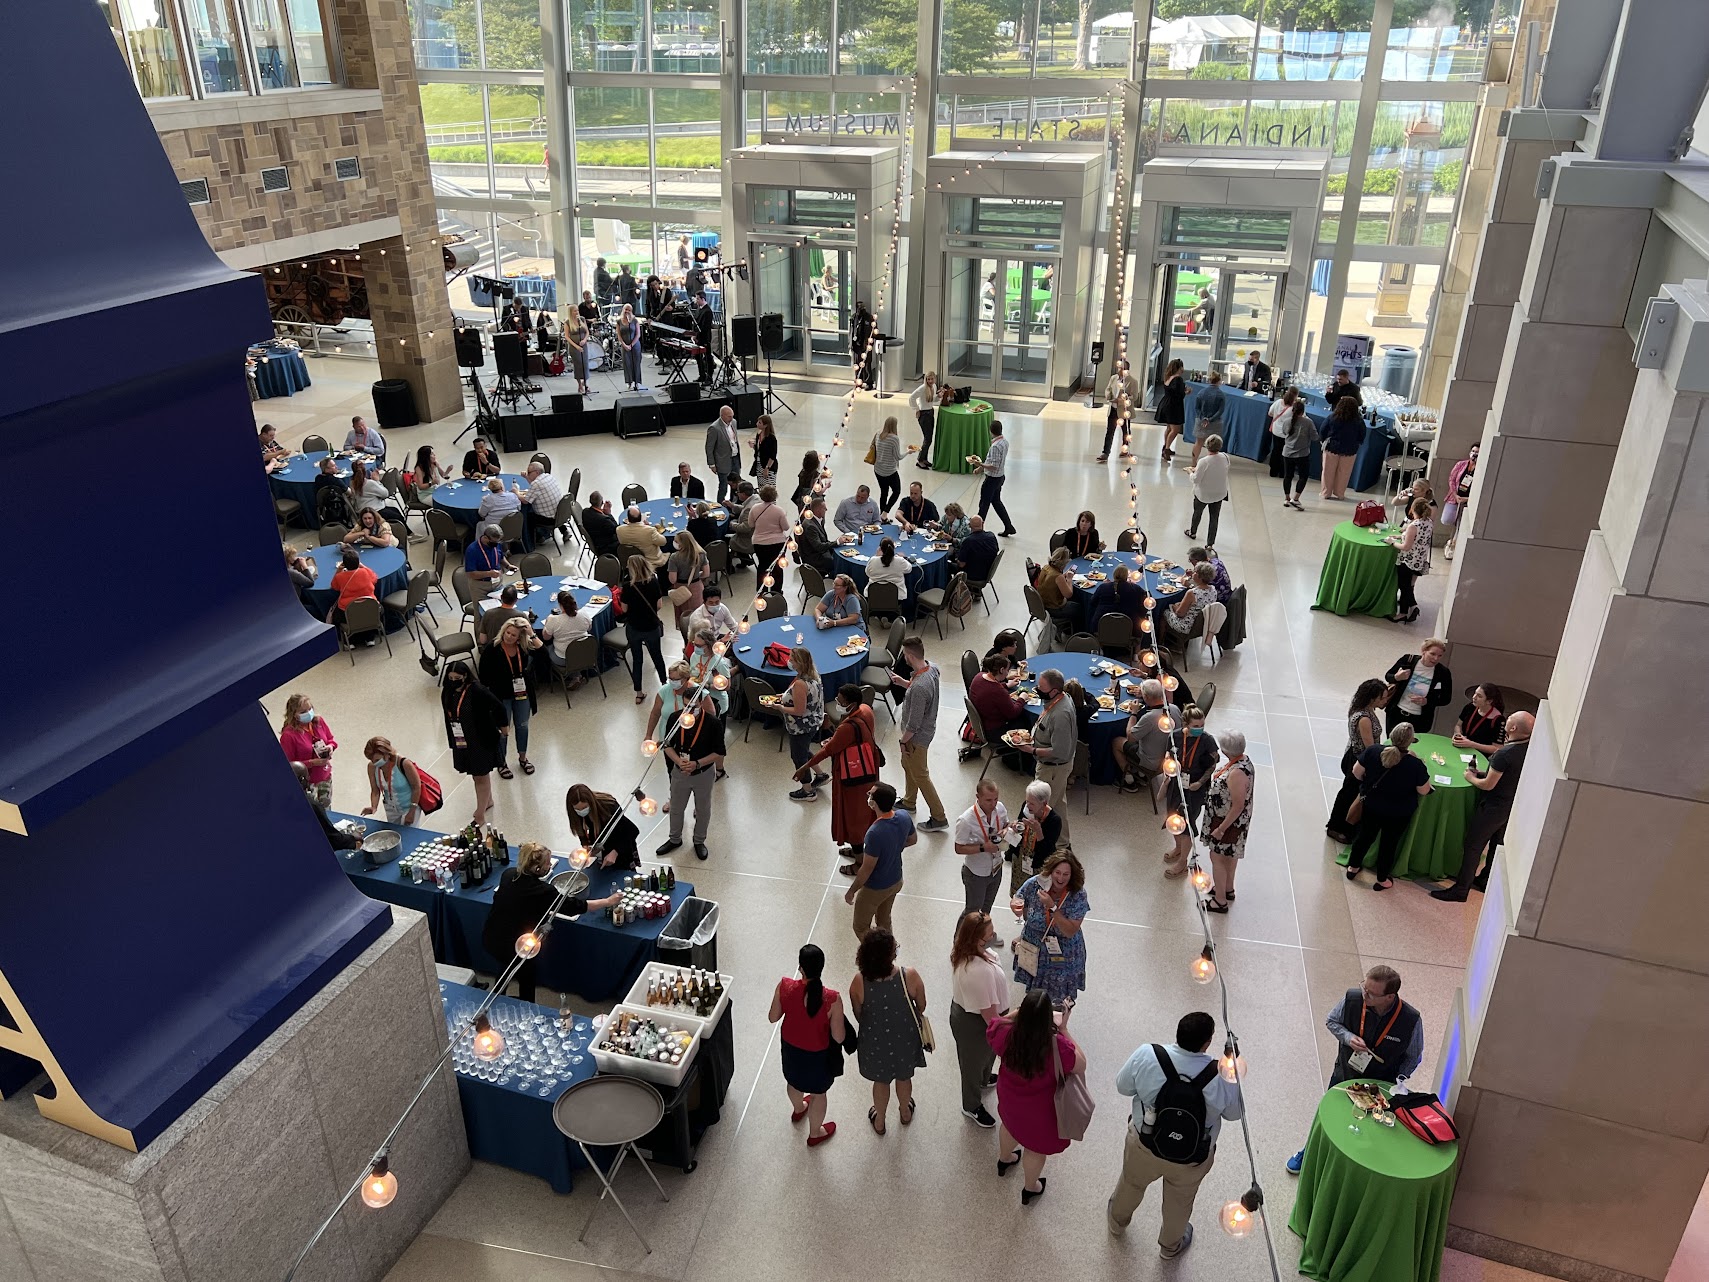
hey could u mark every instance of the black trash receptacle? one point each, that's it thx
(394, 403)
(690, 937)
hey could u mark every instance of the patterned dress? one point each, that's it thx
(1217, 806)
(890, 1047)
(1062, 974)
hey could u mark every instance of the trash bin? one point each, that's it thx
(1398, 369)
(394, 403)
(690, 937)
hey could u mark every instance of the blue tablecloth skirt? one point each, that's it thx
(1107, 561)
(543, 599)
(1246, 432)
(387, 563)
(280, 372)
(296, 480)
(834, 669)
(462, 499)
(1106, 727)
(931, 565)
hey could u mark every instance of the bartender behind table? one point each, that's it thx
(1254, 373)
(522, 900)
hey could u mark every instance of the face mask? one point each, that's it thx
(1195, 731)
(306, 718)
(581, 812)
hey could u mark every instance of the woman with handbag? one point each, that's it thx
(1363, 730)
(813, 1039)
(1036, 1052)
(889, 1001)
(855, 758)
(886, 457)
(1051, 905)
(980, 994)
(688, 569)
(394, 779)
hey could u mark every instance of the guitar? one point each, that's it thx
(556, 365)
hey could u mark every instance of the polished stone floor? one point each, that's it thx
(924, 1201)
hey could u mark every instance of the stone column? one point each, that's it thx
(406, 285)
(1583, 1113)
(1560, 394)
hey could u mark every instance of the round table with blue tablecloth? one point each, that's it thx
(542, 599)
(835, 669)
(1163, 580)
(389, 565)
(668, 516)
(296, 480)
(278, 371)
(462, 499)
(1094, 672)
(931, 564)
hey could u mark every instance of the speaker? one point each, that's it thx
(745, 337)
(566, 402)
(470, 353)
(749, 406)
(771, 331)
(683, 392)
(516, 433)
(508, 353)
(638, 415)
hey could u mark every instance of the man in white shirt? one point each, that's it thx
(923, 400)
(980, 837)
(542, 495)
(1123, 396)
(853, 514)
(994, 468)
(1179, 1133)
(364, 438)
(712, 615)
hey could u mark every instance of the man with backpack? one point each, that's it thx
(1180, 1102)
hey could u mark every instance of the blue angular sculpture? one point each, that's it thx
(166, 897)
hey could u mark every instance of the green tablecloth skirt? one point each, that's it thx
(1358, 573)
(961, 430)
(1372, 1205)
(1436, 838)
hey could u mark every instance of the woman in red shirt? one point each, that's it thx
(812, 1018)
(989, 693)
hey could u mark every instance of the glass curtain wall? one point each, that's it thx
(233, 46)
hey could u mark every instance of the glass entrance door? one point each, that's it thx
(1248, 321)
(998, 313)
(812, 287)
(830, 302)
(1210, 316)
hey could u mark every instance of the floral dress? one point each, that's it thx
(1062, 974)
(1217, 804)
(1417, 558)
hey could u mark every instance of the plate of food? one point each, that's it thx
(872, 529)
(1107, 702)
(770, 700)
(1018, 738)
(1096, 576)
(1129, 706)
(849, 651)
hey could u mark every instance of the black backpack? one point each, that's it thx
(1180, 1133)
(332, 506)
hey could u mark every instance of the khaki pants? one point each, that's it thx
(917, 770)
(1337, 471)
(1140, 1168)
(1057, 777)
(873, 906)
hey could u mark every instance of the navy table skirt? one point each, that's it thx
(1107, 561)
(587, 956)
(388, 564)
(543, 599)
(931, 565)
(462, 499)
(1106, 728)
(279, 372)
(1246, 432)
(834, 669)
(662, 512)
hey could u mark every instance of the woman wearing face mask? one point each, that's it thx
(678, 692)
(599, 824)
(307, 738)
(393, 778)
(473, 720)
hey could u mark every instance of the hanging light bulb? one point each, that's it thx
(687, 720)
(1201, 879)
(648, 806)
(649, 747)
(1148, 658)
(719, 647)
(1176, 823)
(1239, 1218)
(379, 1186)
(720, 681)
(1145, 625)
(489, 1042)
(759, 604)
(1170, 765)
(527, 945)
(789, 545)
(1170, 681)
(1150, 603)
(1204, 966)
(1231, 1064)
(743, 626)
(1165, 723)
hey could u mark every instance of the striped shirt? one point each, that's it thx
(997, 457)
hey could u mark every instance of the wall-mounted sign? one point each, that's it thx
(1065, 129)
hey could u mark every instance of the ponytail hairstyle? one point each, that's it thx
(1400, 743)
(811, 960)
(886, 551)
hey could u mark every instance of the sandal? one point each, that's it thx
(907, 1116)
(872, 1117)
(639, 697)
(527, 765)
(505, 772)
(849, 870)
(1215, 905)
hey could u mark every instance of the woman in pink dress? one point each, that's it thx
(1026, 1086)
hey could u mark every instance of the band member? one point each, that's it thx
(700, 312)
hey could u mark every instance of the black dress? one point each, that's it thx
(480, 715)
(519, 903)
(1172, 403)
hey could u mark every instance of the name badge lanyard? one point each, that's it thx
(518, 680)
(458, 739)
(1382, 1036)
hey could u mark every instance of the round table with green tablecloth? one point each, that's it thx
(1358, 573)
(1372, 1203)
(961, 430)
(1435, 839)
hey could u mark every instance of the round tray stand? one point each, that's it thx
(611, 1112)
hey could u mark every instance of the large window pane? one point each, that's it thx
(275, 60)
(457, 141)
(787, 112)
(606, 35)
(212, 32)
(983, 117)
(617, 242)
(611, 145)
(1389, 301)
(877, 37)
(789, 37)
(1431, 41)
(147, 35)
(308, 40)
(510, 31)
(1201, 47)
(1417, 154)
(688, 147)
(1300, 42)
(685, 37)
(989, 37)
(444, 34)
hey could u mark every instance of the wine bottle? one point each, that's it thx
(717, 988)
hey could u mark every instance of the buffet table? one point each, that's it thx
(277, 371)
(586, 955)
(1246, 432)
(961, 430)
(1372, 1200)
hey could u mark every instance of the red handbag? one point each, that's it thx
(1424, 1116)
(1368, 512)
(777, 655)
(859, 762)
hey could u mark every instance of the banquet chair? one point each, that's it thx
(362, 616)
(511, 528)
(464, 587)
(813, 586)
(564, 524)
(1210, 623)
(574, 489)
(752, 689)
(969, 667)
(1205, 698)
(935, 602)
(1058, 540)
(1081, 772)
(634, 493)
(535, 565)
(776, 606)
(330, 534)
(1115, 632)
(617, 641)
(1131, 541)
(400, 533)
(718, 560)
(883, 601)
(585, 551)
(418, 498)
(981, 741)
(412, 600)
(441, 554)
(286, 509)
(445, 529)
(580, 655)
(316, 445)
(878, 680)
(446, 647)
(1036, 613)
(1081, 643)
(608, 571)
(544, 460)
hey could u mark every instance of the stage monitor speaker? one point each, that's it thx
(771, 331)
(638, 415)
(509, 355)
(470, 353)
(679, 392)
(516, 433)
(745, 338)
(749, 406)
(566, 402)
